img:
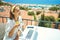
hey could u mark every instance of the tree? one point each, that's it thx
(41, 23)
(38, 12)
(24, 8)
(33, 13)
(49, 18)
(59, 17)
(44, 21)
(55, 8)
(3, 3)
(43, 10)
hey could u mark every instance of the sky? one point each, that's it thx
(34, 1)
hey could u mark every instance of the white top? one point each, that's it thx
(9, 26)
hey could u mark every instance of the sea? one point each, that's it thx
(48, 2)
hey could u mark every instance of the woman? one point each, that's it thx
(14, 25)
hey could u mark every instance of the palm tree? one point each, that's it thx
(42, 18)
(42, 15)
(43, 10)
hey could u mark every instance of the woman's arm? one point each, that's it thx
(12, 30)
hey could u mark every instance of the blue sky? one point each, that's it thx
(34, 1)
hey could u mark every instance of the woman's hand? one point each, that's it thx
(18, 34)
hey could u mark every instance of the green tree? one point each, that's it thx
(32, 14)
(24, 8)
(38, 12)
(46, 18)
(55, 8)
(51, 18)
(59, 17)
(44, 21)
(41, 23)
(3, 3)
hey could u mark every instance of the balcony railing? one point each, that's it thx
(2, 18)
(31, 22)
(27, 20)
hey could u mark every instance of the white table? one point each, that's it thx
(44, 33)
